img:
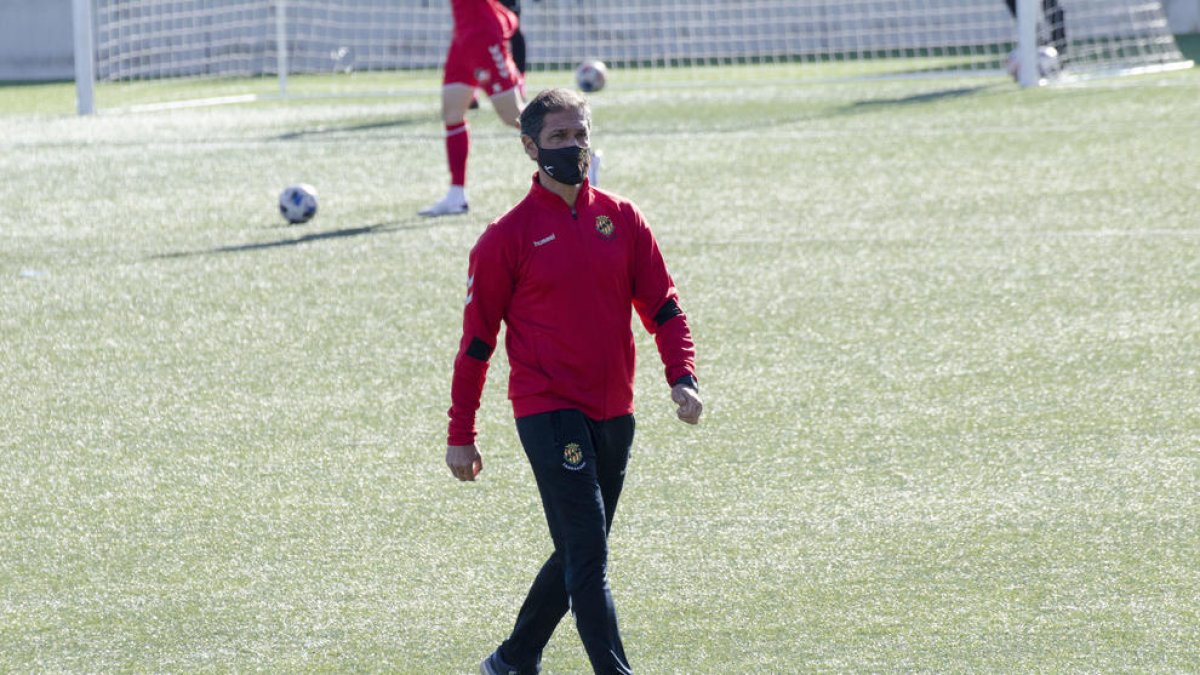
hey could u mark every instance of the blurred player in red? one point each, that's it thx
(480, 57)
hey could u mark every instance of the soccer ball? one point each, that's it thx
(1048, 63)
(591, 76)
(298, 203)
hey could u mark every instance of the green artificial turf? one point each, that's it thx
(948, 337)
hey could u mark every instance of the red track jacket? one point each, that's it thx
(564, 281)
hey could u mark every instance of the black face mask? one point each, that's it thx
(566, 165)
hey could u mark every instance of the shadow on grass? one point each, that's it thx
(378, 228)
(349, 129)
(917, 99)
(33, 83)
(773, 121)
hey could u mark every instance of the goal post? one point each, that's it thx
(85, 76)
(281, 52)
(268, 41)
(1027, 42)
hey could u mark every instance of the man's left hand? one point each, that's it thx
(690, 405)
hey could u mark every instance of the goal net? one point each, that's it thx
(705, 40)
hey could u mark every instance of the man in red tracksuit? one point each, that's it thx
(563, 270)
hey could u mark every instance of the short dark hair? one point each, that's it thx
(533, 118)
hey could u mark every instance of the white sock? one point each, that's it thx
(457, 194)
(594, 168)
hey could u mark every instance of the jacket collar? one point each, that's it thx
(550, 200)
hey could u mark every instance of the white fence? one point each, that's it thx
(35, 36)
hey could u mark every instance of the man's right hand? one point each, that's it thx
(464, 461)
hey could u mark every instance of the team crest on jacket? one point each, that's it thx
(572, 457)
(604, 225)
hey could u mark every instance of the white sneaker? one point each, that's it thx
(448, 206)
(486, 668)
(594, 168)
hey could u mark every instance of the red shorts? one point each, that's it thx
(489, 67)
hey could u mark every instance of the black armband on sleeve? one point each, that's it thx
(669, 310)
(689, 381)
(479, 350)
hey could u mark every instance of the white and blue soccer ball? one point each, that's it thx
(298, 203)
(591, 76)
(1049, 65)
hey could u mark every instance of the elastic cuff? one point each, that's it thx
(460, 438)
(689, 380)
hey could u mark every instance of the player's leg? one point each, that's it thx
(502, 81)
(506, 86)
(584, 511)
(458, 85)
(546, 601)
(614, 442)
(594, 168)
(455, 99)
(517, 44)
(508, 105)
(561, 451)
(1056, 24)
(545, 605)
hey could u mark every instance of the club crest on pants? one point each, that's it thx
(573, 457)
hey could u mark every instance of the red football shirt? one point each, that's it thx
(564, 280)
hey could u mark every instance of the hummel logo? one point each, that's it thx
(544, 240)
